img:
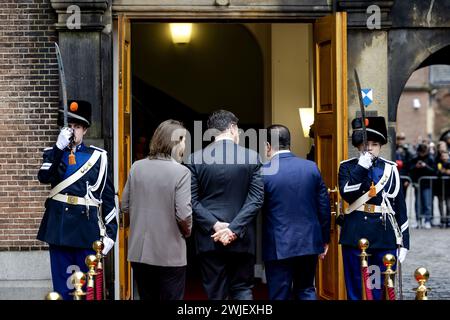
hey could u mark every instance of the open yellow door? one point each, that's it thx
(124, 33)
(330, 41)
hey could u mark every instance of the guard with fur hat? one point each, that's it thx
(377, 209)
(80, 208)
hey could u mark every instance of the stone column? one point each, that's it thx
(367, 52)
(85, 38)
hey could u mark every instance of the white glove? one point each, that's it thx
(64, 138)
(402, 254)
(108, 244)
(365, 160)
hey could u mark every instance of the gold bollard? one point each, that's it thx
(53, 296)
(363, 244)
(389, 275)
(91, 263)
(78, 279)
(421, 274)
(98, 248)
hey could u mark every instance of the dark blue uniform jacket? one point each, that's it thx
(73, 225)
(354, 181)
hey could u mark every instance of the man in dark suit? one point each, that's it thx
(296, 219)
(227, 193)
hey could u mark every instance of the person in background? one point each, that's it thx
(157, 198)
(312, 152)
(447, 140)
(441, 147)
(443, 187)
(403, 158)
(423, 165)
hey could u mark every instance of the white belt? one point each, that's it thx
(74, 200)
(370, 208)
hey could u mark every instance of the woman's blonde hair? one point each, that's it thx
(166, 138)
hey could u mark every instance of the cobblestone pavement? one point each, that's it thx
(429, 249)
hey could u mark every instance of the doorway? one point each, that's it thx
(267, 78)
(220, 68)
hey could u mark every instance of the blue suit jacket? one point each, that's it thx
(296, 208)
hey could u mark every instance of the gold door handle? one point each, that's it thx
(333, 190)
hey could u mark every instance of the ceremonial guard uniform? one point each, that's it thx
(80, 208)
(377, 210)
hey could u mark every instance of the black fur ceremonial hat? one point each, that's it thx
(78, 111)
(376, 130)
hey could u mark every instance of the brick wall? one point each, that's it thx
(413, 121)
(28, 104)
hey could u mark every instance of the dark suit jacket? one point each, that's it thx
(296, 208)
(227, 187)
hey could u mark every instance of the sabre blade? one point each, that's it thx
(63, 82)
(400, 276)
(363, 112)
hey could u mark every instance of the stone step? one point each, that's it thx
(24, 289)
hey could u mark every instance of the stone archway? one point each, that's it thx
(410, 50)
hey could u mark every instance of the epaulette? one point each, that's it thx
(389, 161)
(344, 161)
(47, 149)
(97, 148)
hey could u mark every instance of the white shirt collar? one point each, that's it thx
(224, 138)
(279, 152)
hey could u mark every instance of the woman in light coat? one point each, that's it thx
(157, 197)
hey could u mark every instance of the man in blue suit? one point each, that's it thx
(296, 219)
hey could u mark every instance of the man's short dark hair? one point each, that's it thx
(422, 148)
(221, 120)
(284, 136)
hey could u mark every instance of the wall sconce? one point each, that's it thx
(416, 103)
(181, 32)
(306, 119)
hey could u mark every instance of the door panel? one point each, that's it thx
(124, 32)
(325, 87)
(330, 46)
